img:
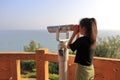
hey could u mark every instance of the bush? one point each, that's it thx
(29, 75)
(72, 53)
(27, 65)
(108, 47)
(53, 77)
(32, 75)
(53, 68)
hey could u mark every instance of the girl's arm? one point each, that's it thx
(77, 35)
(75, 32)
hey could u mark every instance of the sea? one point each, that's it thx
(15, 40)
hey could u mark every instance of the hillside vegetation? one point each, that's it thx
(106, 47)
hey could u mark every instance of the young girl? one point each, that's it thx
(85, 47)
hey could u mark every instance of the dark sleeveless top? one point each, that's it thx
(84, 54)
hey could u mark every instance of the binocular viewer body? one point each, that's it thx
(61, 28)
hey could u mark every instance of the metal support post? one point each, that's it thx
(62, 47)
(63, 59)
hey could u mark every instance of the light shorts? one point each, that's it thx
(84, 72)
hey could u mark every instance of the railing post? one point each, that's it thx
(9, 67)
(41, 64)
(15, 69)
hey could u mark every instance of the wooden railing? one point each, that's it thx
(105, 69)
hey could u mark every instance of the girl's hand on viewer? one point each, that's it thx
(76, 29)
(75, 32)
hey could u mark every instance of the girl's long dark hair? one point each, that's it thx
(91, 28)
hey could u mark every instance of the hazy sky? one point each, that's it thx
(38, 14)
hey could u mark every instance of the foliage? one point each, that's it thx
(29, 65)
(53, 77)
(53, 68)
(29, 75)
(33, 75)
(72, 53)
(31, 47)
(108, 47)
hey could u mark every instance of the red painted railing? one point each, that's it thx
(105, 68)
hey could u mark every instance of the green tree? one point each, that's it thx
(32, 46)
(29, 65)
(108, 47)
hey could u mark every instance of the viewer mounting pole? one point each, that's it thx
(62, 48)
